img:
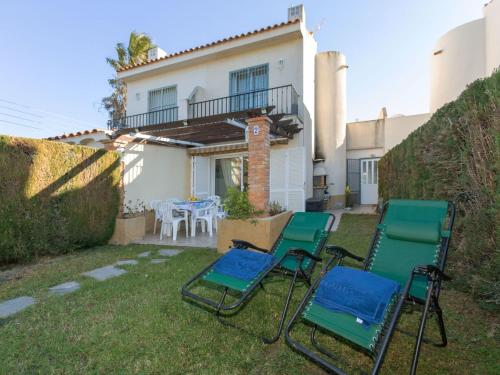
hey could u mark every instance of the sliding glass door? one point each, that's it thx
(230, 172)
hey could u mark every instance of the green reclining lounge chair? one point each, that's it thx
(410, 246)
(294, 253)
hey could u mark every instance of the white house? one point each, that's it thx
(264, 111)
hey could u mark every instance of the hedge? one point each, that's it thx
(455, 156)
(55, 197)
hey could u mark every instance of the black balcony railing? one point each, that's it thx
(283, 99)
(162, 116)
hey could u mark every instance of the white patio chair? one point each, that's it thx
(155, 206)
(171, 219)
(205, 216)
(215, 198)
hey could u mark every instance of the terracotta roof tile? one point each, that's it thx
(211, 44)
(76, 134)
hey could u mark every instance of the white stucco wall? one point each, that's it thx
(373, 138)
(155, 172)
(212, 75)
(399, 127)
(492, 25)
(458, 59)
(150, 171)
(331, 71)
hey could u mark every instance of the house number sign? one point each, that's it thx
(256, 130)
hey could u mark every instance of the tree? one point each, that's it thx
(137, 51)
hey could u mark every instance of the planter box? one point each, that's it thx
(261, 232)
(128, 230)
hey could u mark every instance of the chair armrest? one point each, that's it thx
(340, 253)
(431, 271)
(301, 253)
(241, 244)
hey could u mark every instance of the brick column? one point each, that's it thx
(259, 148)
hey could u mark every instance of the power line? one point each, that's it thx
(18, 117)
(17, 110)
(53, 114)
(18, 124)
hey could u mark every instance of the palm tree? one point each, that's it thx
(137, 51)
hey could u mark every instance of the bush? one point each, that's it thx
(55, 197)
(237, 205)
(455, 156)
(275, 208)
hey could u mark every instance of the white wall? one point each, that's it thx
(155, 172)
(213, 75)
(464, 54)
(460, 62)
(373, 138)
(150, 171)
(492, 24)
(397, 128)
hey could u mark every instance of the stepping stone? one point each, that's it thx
(158, 261)
(144, 254)
(64, 288)
(15, 305)
(131, 262)
(169, 252)
(104, 273)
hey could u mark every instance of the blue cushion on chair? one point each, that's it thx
(243, 264)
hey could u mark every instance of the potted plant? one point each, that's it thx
(243, 222)
(348, 198)
(130, 224)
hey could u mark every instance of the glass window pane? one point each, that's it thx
(375, 172)
(370, 176)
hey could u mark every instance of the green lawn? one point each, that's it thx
(138, 324)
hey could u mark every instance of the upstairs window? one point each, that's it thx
(246, 87)
(162, 105)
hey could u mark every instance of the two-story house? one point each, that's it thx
(236, 112)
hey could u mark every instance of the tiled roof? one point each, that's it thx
(212, 44)
(76, 134)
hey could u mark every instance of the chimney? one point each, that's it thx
(297, 12)
(156, 53)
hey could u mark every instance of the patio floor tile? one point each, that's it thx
(127, 262)
(104, 273)
(15, 305)
(169, 252)
(144, 254)
(64, 288)
(158, 261)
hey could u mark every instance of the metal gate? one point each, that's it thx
(354, 180)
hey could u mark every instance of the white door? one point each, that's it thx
(287, 178)
(200, 178)
(369, 181)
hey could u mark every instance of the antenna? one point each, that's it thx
(318, 26)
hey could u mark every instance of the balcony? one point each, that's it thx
(283, 100)
(279, 101)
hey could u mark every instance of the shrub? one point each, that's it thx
(456, 156)
(237, 205)
(275, 208)
(55, 197)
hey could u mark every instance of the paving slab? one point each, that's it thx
(169, 252)
(104, 273)
(127, 262)
(12, 306)
(64, 288)
(158, 261)
(144, 254)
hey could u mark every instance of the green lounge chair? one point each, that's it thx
(410, 246)
(294, 253)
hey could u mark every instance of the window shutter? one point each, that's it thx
(201, 176)
(287, 178)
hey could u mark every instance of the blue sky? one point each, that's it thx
(53, 71)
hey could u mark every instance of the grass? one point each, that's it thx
(138, 324)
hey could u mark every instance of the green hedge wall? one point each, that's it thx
(55, 197)
(455, 156)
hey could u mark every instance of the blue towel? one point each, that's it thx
(359, 293)
(243, 264)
